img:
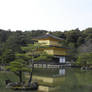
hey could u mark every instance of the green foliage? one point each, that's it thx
(84, 59)
(72, 36)
(7, 56)
(43, 56)
(18, 65)
(80, 41)
(15, 41)
(10, 40)
(32, 52)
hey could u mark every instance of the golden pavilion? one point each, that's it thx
(54, 46)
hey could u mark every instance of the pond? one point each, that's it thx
(60, 80)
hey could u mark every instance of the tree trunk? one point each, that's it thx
(31, 73)
(20, 77)
(30, 79)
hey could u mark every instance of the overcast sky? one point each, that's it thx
(49, 15)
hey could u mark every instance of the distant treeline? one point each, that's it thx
(77, 41)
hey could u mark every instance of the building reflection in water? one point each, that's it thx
(50, 79)
(62, 72)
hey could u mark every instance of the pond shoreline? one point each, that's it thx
(74, 79)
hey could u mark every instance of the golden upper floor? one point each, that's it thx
(53, 45)
(49, 39)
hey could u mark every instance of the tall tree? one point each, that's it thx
(18, 66)
(32, 51)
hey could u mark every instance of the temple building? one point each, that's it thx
(54, 46)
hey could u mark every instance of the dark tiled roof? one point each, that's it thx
(48, 35)
(54, 46)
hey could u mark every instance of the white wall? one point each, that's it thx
(62, 59)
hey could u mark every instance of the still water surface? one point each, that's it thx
(65, 80)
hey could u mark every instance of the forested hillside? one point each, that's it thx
(78, 41)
